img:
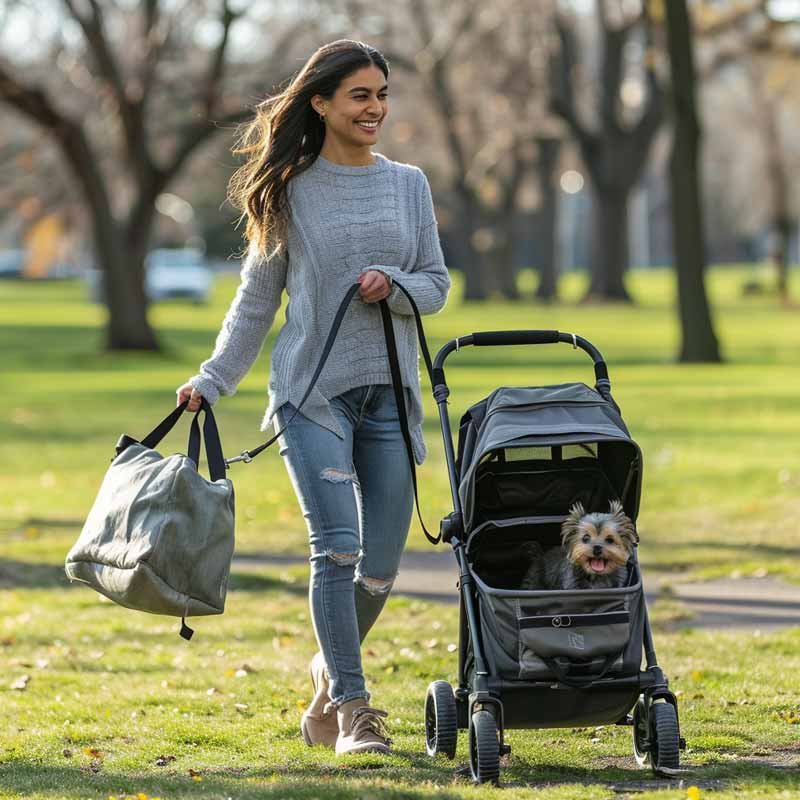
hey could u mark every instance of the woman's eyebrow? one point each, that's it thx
(366, 88)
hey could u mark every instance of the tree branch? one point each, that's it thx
(132, 122)
(562, 94)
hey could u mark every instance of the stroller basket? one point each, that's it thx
(572, 636)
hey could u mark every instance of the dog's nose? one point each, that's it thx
(598, 550)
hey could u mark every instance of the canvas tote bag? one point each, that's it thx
(160, 536)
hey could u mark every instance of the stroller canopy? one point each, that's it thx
(534, 451)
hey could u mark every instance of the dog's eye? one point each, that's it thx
(586, 537)
(610, 539)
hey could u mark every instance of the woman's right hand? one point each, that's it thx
(188, 392)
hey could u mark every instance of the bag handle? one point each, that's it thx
(216, 461)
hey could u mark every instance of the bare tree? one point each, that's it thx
(614, 150)
(698, 340)
(749, 38)
(141, 74)
(480, 74)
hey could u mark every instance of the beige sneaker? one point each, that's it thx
(361, 728)
(319, 723)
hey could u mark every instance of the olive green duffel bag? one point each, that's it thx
(160, 536)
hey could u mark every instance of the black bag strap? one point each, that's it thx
(216, 461)
(153, 439)
(397, 383)
(248, 455)
(576, 681)
(400, 400)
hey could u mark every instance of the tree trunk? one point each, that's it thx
(780, 222)
(120, 257)
(472, 262)
(128, 326)
(549, 149)
(609, 251)
(502, 259)
(699, 342)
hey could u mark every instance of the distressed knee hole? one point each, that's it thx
(375, 585)
(343, 559)
(337, 476)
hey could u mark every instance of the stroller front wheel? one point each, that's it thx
(441, 720)
(656, 738)
(484, 748)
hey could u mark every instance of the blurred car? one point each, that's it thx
(12, 263)
(168, 273)
(173, 273)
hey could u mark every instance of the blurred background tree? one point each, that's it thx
(550, 138)
(136, 91)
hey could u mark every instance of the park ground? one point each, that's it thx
(98, 701)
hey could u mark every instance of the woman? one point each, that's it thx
(323, 211)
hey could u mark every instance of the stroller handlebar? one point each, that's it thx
(493, 338)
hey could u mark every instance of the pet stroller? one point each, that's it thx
(549, 658)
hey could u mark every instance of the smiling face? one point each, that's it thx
(355, 113)
(598, 543)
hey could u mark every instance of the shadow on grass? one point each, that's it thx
(16, 574)
(24, 777)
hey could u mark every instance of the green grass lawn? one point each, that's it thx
(116, 704)
(722, 469)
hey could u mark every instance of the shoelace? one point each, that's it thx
(369, 720)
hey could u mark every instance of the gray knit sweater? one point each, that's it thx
(344, 221)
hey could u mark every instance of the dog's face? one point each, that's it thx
(598, 543)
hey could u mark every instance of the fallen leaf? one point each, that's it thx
(451, 648)
(66, 752)
(162, 761)
(21, 683)
(93, 752)
(240, 706)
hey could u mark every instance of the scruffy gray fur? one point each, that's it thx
(594, 552)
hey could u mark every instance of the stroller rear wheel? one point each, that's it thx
(441, 721)
(484, 748)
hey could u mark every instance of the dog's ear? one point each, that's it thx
(569, 527)
(625, 526)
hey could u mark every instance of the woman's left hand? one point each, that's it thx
(374, 286)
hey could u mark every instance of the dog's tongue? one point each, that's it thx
(598, 564)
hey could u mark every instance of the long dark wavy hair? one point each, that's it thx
(285, 138)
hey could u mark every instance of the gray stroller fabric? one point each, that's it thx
(526, 455)
(584, 632)
(543, 416)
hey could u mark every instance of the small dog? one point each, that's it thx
(594, 552)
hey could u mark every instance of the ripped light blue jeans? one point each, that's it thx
(357, 498)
